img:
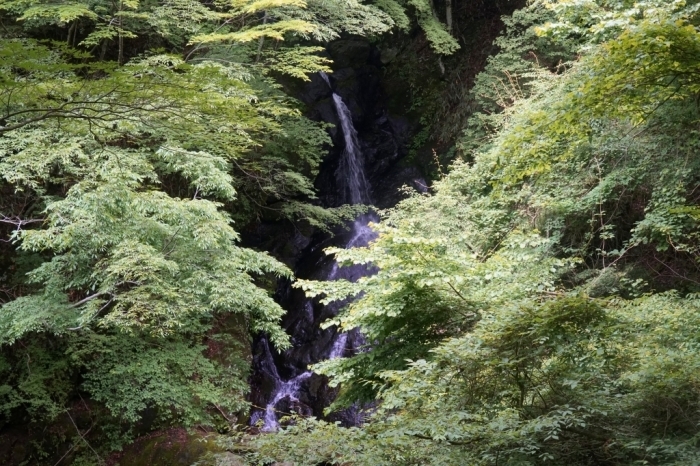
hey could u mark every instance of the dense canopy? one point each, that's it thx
(539, 304)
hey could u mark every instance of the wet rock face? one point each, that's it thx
(383, 139)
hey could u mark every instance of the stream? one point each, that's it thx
(361, 168)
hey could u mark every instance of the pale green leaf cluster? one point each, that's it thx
(440, 39)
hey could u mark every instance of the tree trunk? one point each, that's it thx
(261, 42)
(103, 52)
(70, 31)
(120, 58)
(448, 15)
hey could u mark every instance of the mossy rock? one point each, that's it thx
(175, 447)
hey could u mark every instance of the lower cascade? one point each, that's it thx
(288, 389)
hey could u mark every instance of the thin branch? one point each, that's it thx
(18, 222)
(82, 436)
(89, 298)
(99, 311)
(457, 292)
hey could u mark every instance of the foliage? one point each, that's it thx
(435, 31)
(509, 75)
(559, 382)
(132, 135)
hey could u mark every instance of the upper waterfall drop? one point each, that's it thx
(350, 174)
(325, 78)
(351, 171)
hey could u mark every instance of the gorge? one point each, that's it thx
(282, 383)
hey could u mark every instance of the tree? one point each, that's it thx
(131, 134)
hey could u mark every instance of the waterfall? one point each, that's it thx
(283, 389)
(351, 170)
(351, 176)
(325, 78)
(362, 232)
(351, 179)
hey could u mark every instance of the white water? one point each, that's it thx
(309, 308)
(362, 232)
(290, 389)
(351, 177)
(351, 171)
(338, 349)
(325, 78)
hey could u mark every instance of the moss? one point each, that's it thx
(170, 448)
